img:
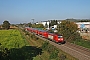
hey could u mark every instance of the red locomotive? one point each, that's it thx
(51, 36)
(55, 37)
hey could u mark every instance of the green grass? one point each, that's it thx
(45, 56)
(84, 43)
(11, 39)
(15, 46)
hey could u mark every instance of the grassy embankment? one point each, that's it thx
(34, 41)
(85, 41)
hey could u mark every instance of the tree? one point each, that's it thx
(29, 24)
(68, 30)
(4, 53)
(53, 22)
(0, 26)
(6, 24)
(37, 26)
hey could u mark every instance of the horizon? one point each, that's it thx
(23, 11)
(46, 20)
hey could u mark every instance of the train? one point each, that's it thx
(57, 38)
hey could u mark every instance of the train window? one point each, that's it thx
(60, 36)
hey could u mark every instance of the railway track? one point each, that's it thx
(76, 51)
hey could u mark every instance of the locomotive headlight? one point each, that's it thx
(60, 39)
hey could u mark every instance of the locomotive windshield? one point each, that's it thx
(60, 36)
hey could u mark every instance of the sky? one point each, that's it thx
(23, 11)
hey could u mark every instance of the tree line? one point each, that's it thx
(67, 28)
(5, 25)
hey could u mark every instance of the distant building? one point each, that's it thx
(44, 23)
(59, 21)
(80, 24)
(83, 24)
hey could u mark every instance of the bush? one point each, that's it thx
(45, 45)
(62, 57)
(54, 54)
(50, 49)
(27, 33)
(4, 53)
(32, 36)
(74, 37)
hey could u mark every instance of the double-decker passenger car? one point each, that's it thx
(51, 36)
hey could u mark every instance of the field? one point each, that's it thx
(15, 47)
(11, 39)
